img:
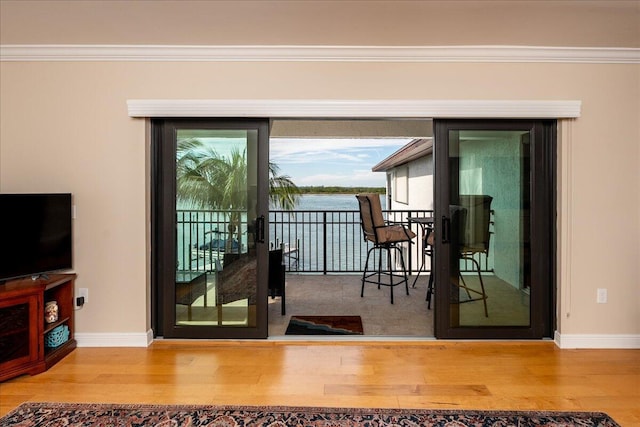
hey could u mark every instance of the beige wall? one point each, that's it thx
(331, 22)
(64, 127)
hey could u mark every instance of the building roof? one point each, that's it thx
(413, 150)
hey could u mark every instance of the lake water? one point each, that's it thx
(330, 202)
(325, 229)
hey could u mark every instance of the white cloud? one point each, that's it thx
(346, 179)
(343, 162)
(312, 150)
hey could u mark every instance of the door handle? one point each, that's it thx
(260, 228)
(445, 229)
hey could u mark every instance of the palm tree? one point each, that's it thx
(283, 193)
(207, 180)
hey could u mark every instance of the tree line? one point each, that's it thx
(322, 189)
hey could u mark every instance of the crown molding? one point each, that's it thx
(284, 108)
(596, 55)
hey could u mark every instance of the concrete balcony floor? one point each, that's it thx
(333, 294)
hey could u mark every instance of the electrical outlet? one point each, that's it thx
(84, 293)
(602, 296)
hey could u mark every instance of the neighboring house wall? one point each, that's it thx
(419, 184)
(419, 196)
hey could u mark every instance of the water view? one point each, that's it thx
(330, 202)
(322, 234)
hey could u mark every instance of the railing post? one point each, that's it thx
(324, 246)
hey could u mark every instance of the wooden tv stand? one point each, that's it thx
(23, 327)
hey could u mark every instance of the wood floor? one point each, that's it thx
(468, 375)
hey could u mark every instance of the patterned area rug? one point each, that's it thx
(324, 325)
(68, 414)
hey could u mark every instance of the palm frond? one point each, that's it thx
(207, 180)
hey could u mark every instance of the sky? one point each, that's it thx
(341, 162)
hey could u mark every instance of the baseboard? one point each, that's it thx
(597, 341)
(114, 339)
(565, 341)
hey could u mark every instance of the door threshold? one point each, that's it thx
(349, 338)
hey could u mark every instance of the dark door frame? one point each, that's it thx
(542, 224)
(163, 227)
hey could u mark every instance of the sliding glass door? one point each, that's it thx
(495, 204)
(210, 205)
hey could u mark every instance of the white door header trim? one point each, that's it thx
(288, 108)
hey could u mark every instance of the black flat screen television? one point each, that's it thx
(35, 234)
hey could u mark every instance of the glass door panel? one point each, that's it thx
(488, 209)
(215, 211)
(484, 253)
(213, 229)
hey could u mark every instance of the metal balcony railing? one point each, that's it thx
(314, 241)
(332, 241)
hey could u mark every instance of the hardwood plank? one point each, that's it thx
(434, 374)
(405, 390)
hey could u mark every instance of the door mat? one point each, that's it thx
(324, 325)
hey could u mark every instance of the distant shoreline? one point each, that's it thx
(340, 190)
